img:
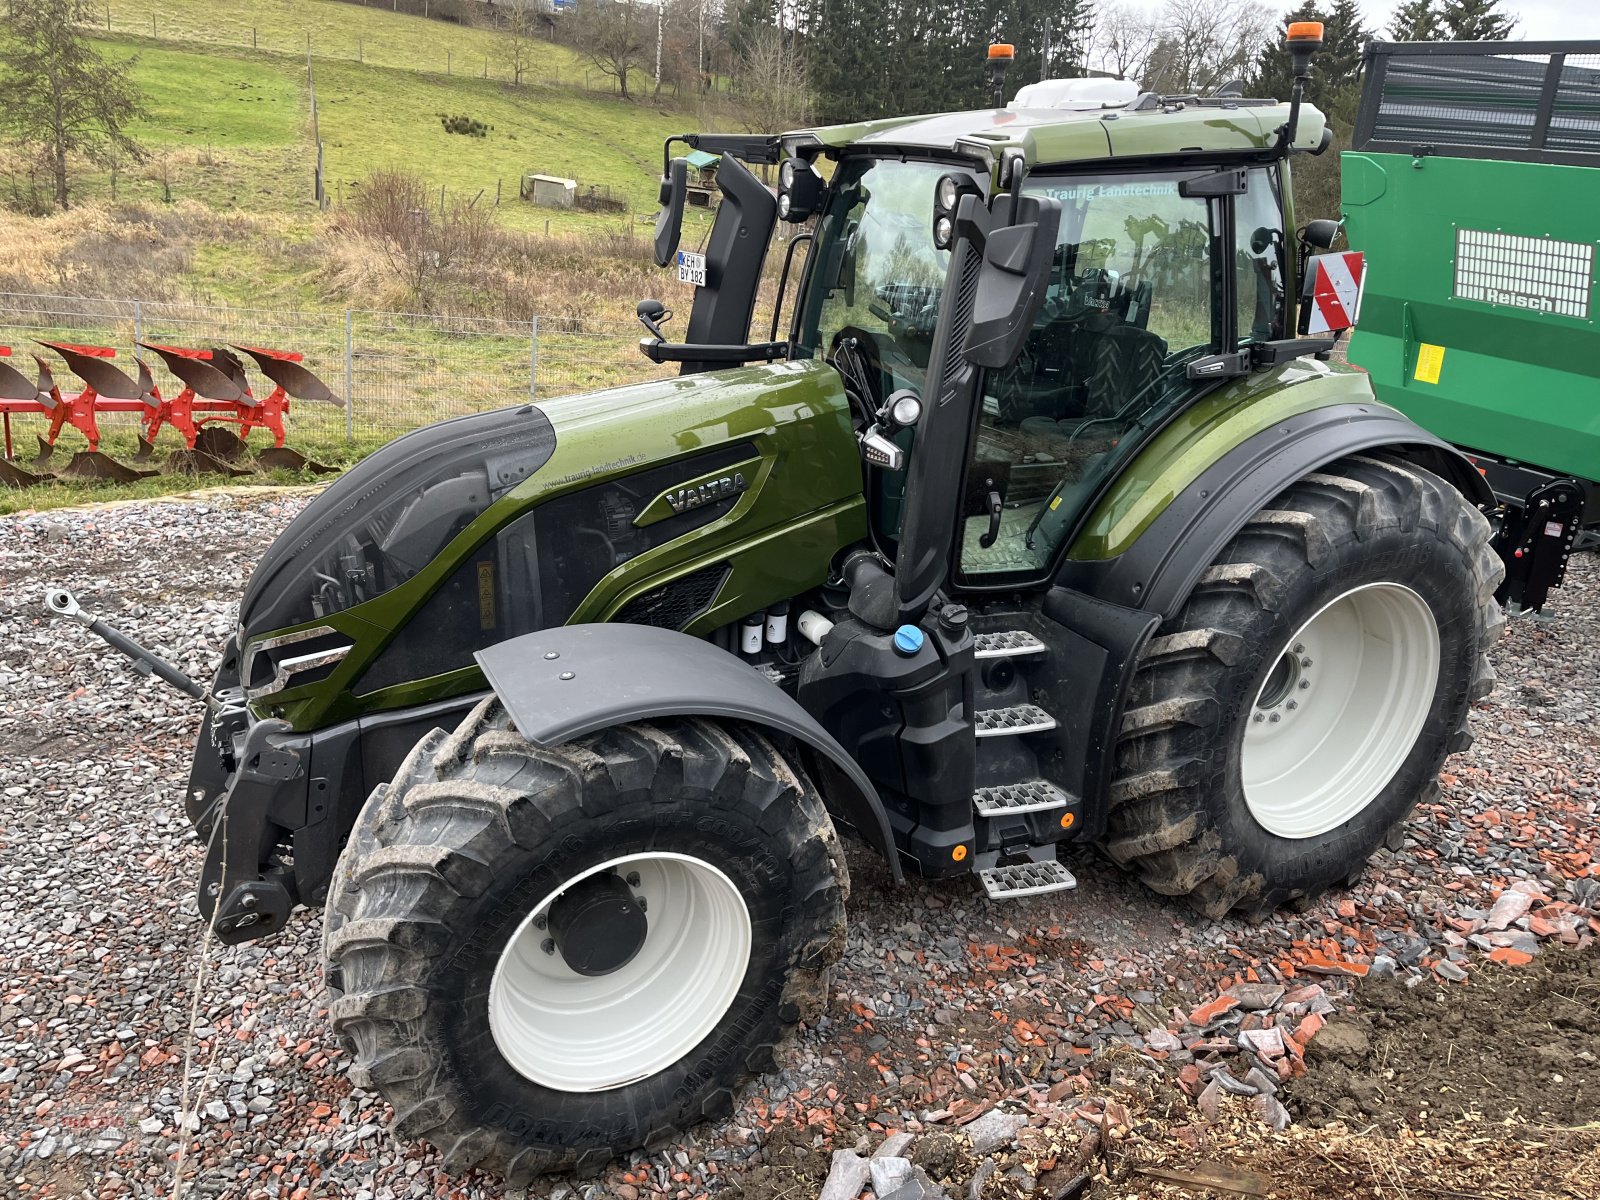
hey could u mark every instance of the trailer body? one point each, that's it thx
(1473, 187)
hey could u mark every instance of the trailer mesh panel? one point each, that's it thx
(1495, 100)
(1537, 274)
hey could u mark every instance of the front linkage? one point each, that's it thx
(249, 774)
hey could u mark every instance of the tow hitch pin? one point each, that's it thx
(61, 603)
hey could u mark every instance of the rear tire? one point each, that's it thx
(511, 1056)
(1250, 773)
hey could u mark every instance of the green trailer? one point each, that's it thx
(1473, 187)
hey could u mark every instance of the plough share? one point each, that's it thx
(215, 395)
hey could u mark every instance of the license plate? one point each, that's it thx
(691, 268)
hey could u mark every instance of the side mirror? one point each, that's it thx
(669, 221)
(1013, 278)
(1321, 234)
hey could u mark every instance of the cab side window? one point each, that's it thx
(1260, 259)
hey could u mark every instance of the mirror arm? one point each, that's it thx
(661, 352)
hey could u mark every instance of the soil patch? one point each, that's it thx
(1518, 1042)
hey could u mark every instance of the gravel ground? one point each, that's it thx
(117, 1032)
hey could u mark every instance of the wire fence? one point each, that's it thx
(394, 371)
(464, 39)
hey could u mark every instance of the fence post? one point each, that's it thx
(533, 358)
(349, 381)
(138, 327)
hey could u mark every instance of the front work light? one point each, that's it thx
(800, 190)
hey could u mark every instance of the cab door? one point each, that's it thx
(1145, 280)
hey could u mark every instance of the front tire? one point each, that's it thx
(544, 958)
(1293, 713)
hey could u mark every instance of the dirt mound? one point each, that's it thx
(1519, 1042)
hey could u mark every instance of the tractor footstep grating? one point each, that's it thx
(1016, 718)
(1008, 643)
(1026, 879)
(1036, 795)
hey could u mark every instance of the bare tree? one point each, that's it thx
(772, 84)
(1205, 43)
(612, 34)
(1123, 39)
(521, 20)
(59, 92)
(421, 238)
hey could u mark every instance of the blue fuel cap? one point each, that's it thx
(908, 640)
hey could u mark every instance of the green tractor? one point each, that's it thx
(1033, 522)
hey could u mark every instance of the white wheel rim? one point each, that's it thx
(1340, 710)
(580, 1033)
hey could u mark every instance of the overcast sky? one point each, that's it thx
(1537, 19)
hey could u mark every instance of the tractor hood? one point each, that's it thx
(683, 502)
(385, 519)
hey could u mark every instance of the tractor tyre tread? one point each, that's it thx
(1161, 820)
(428, 853)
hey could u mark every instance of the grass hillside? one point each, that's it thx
(228, 92)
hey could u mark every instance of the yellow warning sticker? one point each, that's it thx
(1430, 361)
(486, 594)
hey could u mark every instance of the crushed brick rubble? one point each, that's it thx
(953, 1021)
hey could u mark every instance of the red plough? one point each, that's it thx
(216, 394)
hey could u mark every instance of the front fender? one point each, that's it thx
(570, 680)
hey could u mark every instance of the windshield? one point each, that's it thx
(878, 275)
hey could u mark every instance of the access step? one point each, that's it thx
(1008, 799)
(1014, 718)
(1008, 643)
(1026, 879)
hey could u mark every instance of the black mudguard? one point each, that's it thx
(1159, 571)
(561, 683)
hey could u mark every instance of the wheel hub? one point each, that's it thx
(598, 925)
(1338, 713)
(588, 995)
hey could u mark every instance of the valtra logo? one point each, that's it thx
(706, 492)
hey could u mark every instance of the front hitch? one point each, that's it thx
(244, 892)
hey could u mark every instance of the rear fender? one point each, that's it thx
(1161, 568)
(562, 683)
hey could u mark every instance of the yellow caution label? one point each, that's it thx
(486, 594)
(1055, 504)
(1430, 361)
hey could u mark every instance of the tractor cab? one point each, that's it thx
(1019, 305)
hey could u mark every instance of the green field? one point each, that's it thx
(228, 86)
(229, 132)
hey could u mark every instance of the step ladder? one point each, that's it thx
(1015, 880)
(1013, 719)
(1009, 799)
(1007, 643)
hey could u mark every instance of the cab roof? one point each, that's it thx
(1150, 127)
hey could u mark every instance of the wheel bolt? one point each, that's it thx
(1299, 647)
(1305, 683)
(633, 879)
(1260, 717)
(644, 905)
(1276, 717)
(1305, 662)
(548, 945)
(1292, 704)
(540, 921)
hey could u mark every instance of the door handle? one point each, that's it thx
(996, 504)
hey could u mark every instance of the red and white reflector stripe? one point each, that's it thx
(1336, 284)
